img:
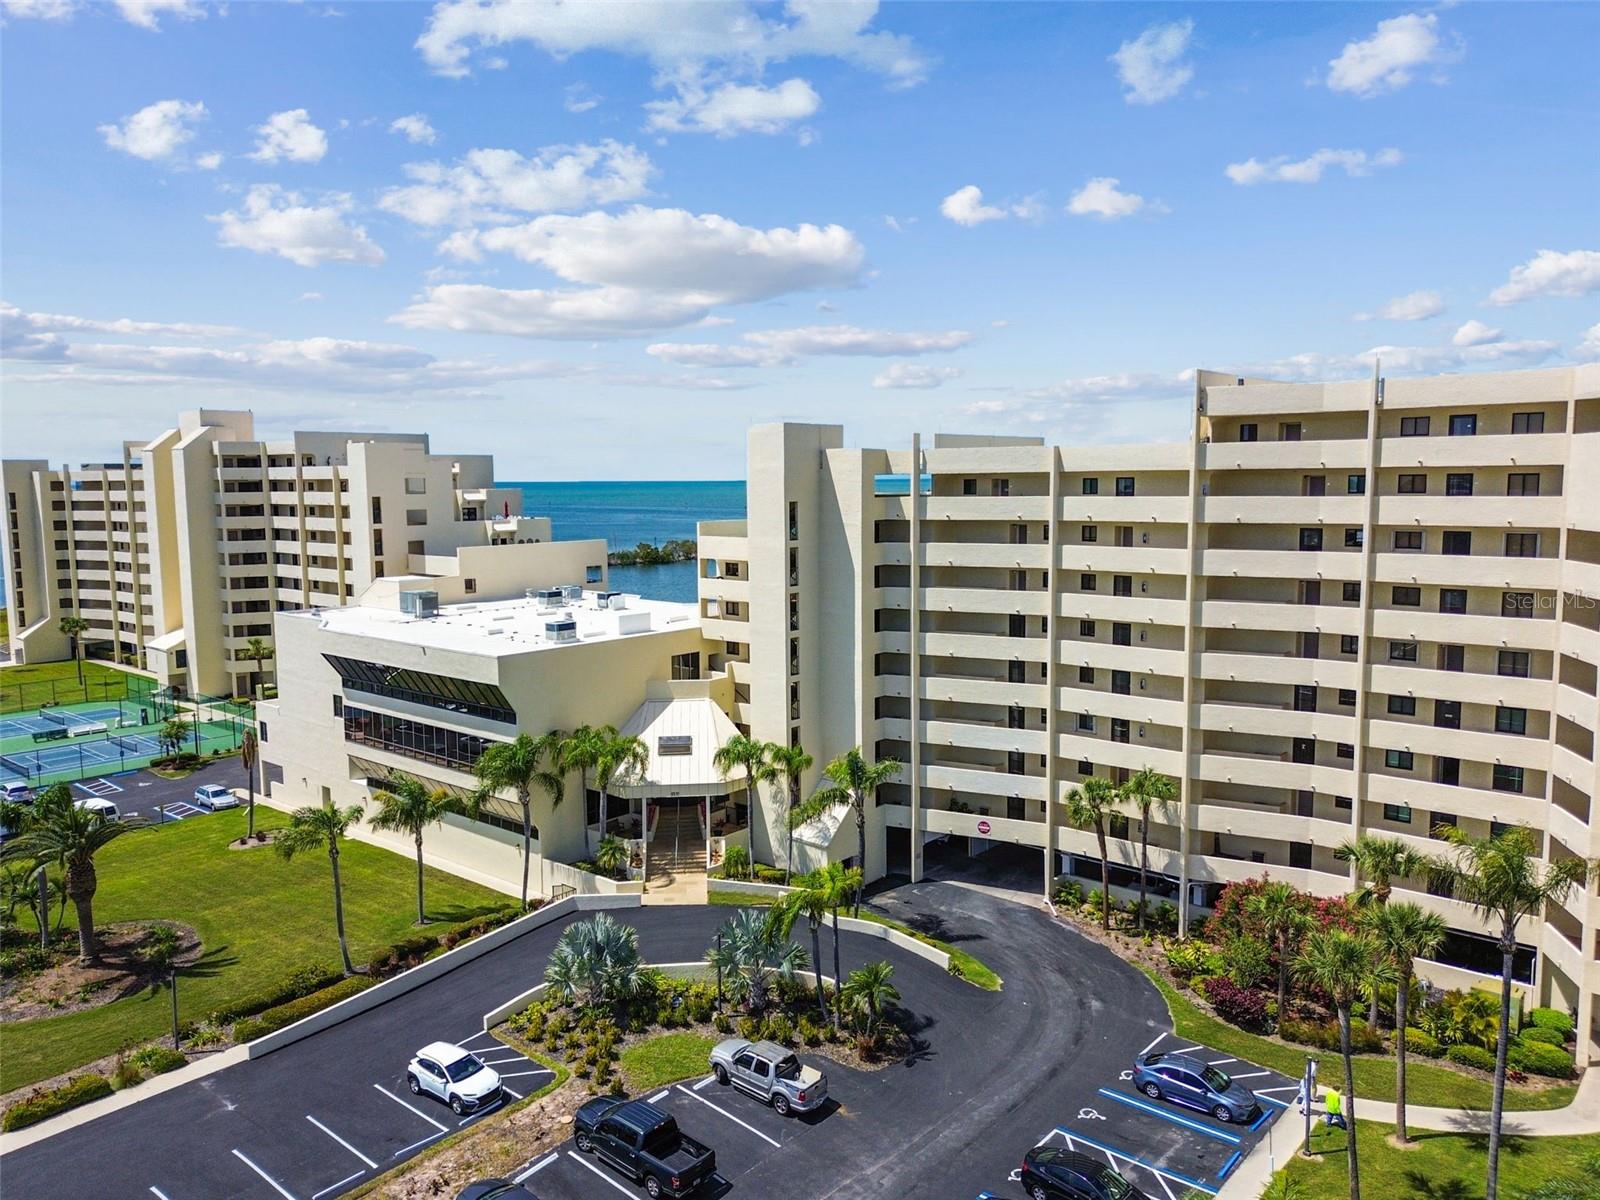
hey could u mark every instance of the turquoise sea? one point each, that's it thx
(635, 511)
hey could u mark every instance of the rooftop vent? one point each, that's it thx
(564, 629)
(420, 604)
(571, 592)
(616, 601)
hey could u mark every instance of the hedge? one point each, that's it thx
(1536, 1058)
(1553, 1018)
(1324, 1035)
(1471, 1056)
(1538, 1033)
(302, 981)
(158, 1060)
(274, 1019)
(41, 1106)
(1420, 1041)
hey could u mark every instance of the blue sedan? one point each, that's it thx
(1195, 1083)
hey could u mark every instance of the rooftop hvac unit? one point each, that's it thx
(420, 604)
(563, 630)
(571, 592)
(616, 601)
(546, 598)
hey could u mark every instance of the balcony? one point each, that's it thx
(1482, 510)
(1469, 803)
(1282, 564)
(1108, 509)
(1035, 555)
(1333, 509)
(1489, 450)
(1274, 770)
(967, 690)
(1279, 616)
(1421, 624)
(1034, 510)
(972, 600)
(998, 648)
(1276, 720)
(1136, 707)
(966, 778)
(1135, 754)
(1532, 753)
(970, 734)
(1333, 454)
(1259, 822)
(1468, 570)
(1508, 690)
(1137, 658)
(1138, 608)
(1124, 560)
(1248, 667)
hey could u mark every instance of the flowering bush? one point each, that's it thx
(1244, 1007)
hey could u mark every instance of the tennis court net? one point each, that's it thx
(133, 745)
(17, 765)
(56, 716)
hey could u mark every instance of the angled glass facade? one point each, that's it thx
(419, 687)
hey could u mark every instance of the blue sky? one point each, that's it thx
(603, 239)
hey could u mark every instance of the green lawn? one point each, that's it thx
(1427, 1082)
(665, 1058)
(28, 686)
(258, 917)
(1443, 1166)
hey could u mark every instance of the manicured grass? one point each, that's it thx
(974, 970)
(663, 1059)
(259, 918)
(1442, 1165)
(28, 686)
(1427, 1082)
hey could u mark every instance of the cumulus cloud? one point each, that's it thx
(1310, 169)
(580, 98)
(1413, 306)
(1475, 333)
(1390, 59)
(785, 347)
(734, 108)
(915, 375)
(415, 129)
(291, 136)
(1589, 347)
(965, 206)
(1101, 198)
(40, 10)
(1405, 360)
(498, 185)
(147, 13)
(274, 221)
(1152, 67)
(157, 132)
(1550, 273)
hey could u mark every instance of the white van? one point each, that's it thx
(101, 808)
(16, 792)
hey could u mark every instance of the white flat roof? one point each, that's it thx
(504, 627)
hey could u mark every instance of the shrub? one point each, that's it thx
(158, 1060)
(1191, 957)
(274, 1019)
(41, 1106)
(1325, 1035)
(778, 1028)
(765, 874)
(736, 863)
(1538, 1058)
(1471, 1056)
(125, 1073)
(1069, 895)
(809, 1031)
(1243, 1006)
(1249, 961)
(1425, 1044)
(1550, 1037)
(1554, 1019)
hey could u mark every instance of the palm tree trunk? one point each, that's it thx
(422, 915)
(1502, 1041)
(605, 803)
(1349, 1102)
(250, 808)
(788, 820)
(1105, 878)
(88, 947)
(583, 787)
(1144, 861)
(338, 912)
(1400, 998)
(816, 958)
(77, 658)
(861, 853)
(172, 982)
(1283, 982)
(527, 841)
(838, 987)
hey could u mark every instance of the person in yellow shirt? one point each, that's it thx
(1334, 1104)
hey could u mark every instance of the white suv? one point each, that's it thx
(212, 796)
(455, 1076)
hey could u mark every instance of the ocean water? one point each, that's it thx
(635, 511)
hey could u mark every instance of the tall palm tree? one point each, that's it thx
(742, 753)
(1285, 922)
(1088, 805)
(62, 834)
(851, 780)
(1342, 964)
(521, 766)
(249, 755)
(320, 827)
(257, 650)
(869, 992)
(809, 899)
(621, 754)
(75, 628)
(1378, 862)
(786, 763)
(579, 752)
(409, 806)
(1402, 933)
(1503, 879)
(1146, 790)
(839, 883)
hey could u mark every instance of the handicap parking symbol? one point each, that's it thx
(1125, 1075)
(1089, 1114)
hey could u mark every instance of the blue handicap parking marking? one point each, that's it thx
(1232, 1162)
(1162, 1174)
(1166, 1115)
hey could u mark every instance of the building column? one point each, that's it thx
(1053, 641)
(1191, 583)
(915, 509)
(1368, 604)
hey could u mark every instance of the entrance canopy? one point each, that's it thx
(682, 736)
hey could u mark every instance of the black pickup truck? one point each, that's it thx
(645, 1144)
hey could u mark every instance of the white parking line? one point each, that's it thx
(159, 1192)
(341, 1141)
(495, 1062)
(703, 1082)
(694, 1096)
(276, 1186)
(504, 1088)
(1217, 1062)
(583, 1162)
(1188, 1049)
(1269, 1091)
(414, 1145)
(515, 1074)
(334, 1187)
(1152, 1045)
(657, 1097)
(412, 1107)
(1253, 1075)
(483, 1112)
(537, 1167)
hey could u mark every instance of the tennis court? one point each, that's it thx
(105, 717)
(62, 743)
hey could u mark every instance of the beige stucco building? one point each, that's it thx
(181, 551)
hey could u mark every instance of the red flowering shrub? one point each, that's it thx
(1244, 1007)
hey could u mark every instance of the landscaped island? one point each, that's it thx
(647, 554)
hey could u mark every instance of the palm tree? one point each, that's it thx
(172, 734)
(317, 827)
(579, 752)
(1088, 805)
(1342, 964)
(752, 955)
(809, 899)
(611, 856)
(75, 628)
(1502, 878)
(597, 962)
(839, 883)
(68, 836)
(620, 755)
(786, 763)
(868, 993)
(249, 755)
(521, 766)
(1402, 933)
(742, 753)
(1285, 921)
(409, 806)
(851, 780)
(1378, 861)
(160, 951)
(1147, 789)
(257, 650)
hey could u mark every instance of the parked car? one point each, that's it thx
(100, 808)
(495, 1189)
(212, 796)
(1185, 1079)
(456, 1076)
(1051, 1173)
(771, 1073)
(644, 1143)
(16, 792)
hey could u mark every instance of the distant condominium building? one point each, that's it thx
(180, 552)
(1366, 607)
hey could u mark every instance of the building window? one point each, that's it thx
(1402, 652)
(969, 487)
(1522, 545)
(1343, 802)
(1452, 658)
(1347, 697)
(1124, 485)
(1457, 542)
(1447, 714)
(1398, 813)
(1355, 538)
(1122, 585)
(1403, 706)
(1513, 663)
(1516, 604)
(1121, 682)
(1458, 484)
(1522, 483)
(1463, 424)
(1511, 720)
(1408, 539)
(1351, 593)
(338, 706)
(1248, 432)
(470, 586)
(1085, 722)
(1407, 597)
(1507, 778)
(1356, 485)
(686, 666)
(1412, 485)
(1089, 533)
(1091, 487)
(1086, 675)
(1344, 750)
(794, 520)
(1527, 422)
(1088, 583)
(1397, 760)
(1086, 629)
(420, 687)
(414, 739)
(1311, 538)
(1305, 697)
(1349, 643)
(416, 485)
(1119, 729)
(1413, 426)
(416, 516)
(377, 510)
(1121, 633)
(1290, 431)
(1452, 600)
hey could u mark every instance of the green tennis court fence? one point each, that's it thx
(15, 697)
(110, 754)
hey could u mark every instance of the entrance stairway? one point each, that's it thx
(678, 847)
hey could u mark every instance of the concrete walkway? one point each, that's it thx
(676, 889)
(1581, 1116)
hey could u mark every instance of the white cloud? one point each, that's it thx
(785, 347)
(146, 13)
(290, 135)
(1389, 59)
(965, 206)
(40, 10)
(734, 108)
(496, 185)
(1309, 170)
(157, 132)
(209, 161)
(1475, 333)
(1100, 198)
(915, 375)
(1152, 67)
(273, 221)
(579, 98)
(1590, 346)
(1404, 360)
(38, 335)
(1550, 273)
(1413, 306)
(415, 128)
(308, 298)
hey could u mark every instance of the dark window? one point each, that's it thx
(1016, 672)
(1452, 658)
(1088, 583)
(1356, 485)
(1085, 722)
(1522, 483)
(1300, 855)
(1304, 750)
(1290, 431)
(1314, 485)
(1349, 643)
(1452, 600)
(1347, 697)
(1343, 802)
(1305, 697)
(1511, 720)
(1441, 820)
(1516, 604)
(1514, 662)
(1124, 485)
(1402, 652)
(1247, 432)
(414, 739)
(1413, 426)
(1407, 597)
(1412, 485)
(1408, 539)
(419, 687)
(1522, 545)
(1507, 779)
(1527, 422)
(1122, 585)
(1121, 633)
(1121, 682)
(1091, 487)
(1457, 542)
(1119, 729)
(1463, 424)
(1400, 813)
(1397, 760)
(1352, 593)
(1447, 771)
(1311, 539)
(1343, 750)
(1016, 625)
(1355, 538)
(1447, 714)
(1458, 484)
(1090, 533)
(969, 487)
(1403, 706)
(1086, 629)
(1086, 675)
(338, 706)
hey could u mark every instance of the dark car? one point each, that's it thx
(645, 1144)
(495, 1189)
(1051, 1173)
(1195, 1083)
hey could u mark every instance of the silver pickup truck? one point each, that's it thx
(771, 1073)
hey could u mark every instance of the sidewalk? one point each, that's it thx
(1581, 1116)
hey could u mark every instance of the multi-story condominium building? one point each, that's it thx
(1345, 608)
(180, 552)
